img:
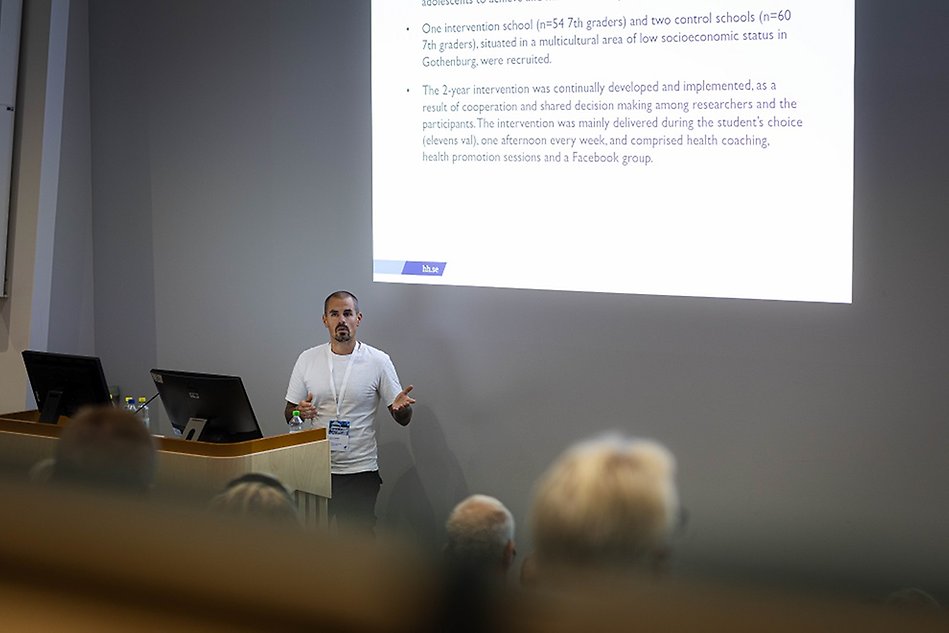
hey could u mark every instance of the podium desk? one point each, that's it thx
(300, 460)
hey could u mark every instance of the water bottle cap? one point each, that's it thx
(142, 399)
(129, 399)
(297, 413)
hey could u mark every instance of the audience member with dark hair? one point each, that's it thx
(607, 505)
(480, 535)
(259, 496)
(106, 448)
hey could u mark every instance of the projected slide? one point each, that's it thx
(669, 148)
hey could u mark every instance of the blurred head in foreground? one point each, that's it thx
(480, 535)
(913, 600)
(258, 496)
(608, 504)
(106, 448)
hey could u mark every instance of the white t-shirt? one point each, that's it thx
(371, 379)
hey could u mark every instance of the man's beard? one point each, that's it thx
(342, 336)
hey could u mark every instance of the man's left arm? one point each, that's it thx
(400, 403)
(401, 407)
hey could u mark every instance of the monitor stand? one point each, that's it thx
(193, 429)
(50, 412)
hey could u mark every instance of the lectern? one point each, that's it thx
(300, 460)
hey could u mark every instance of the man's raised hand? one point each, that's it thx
(403, 400)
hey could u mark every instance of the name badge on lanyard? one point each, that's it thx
(338, 429)
(338, 432)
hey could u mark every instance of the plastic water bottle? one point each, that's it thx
(296, 422)
(130, 404)
(143, 413)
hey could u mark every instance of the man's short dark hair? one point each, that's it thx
(340, 294)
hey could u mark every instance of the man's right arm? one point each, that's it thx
(295, 389)
(305, 407)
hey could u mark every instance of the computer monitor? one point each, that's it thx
(63, 383)
(207, 407)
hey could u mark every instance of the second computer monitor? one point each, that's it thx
(207, 407)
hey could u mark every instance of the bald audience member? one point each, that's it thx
(608, 504)
(106, 448)
(481, 535)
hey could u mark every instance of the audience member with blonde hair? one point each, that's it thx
(108, 448)
(605, 504)
(259, 496)
(480, 535)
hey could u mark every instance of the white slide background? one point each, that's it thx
(484, 166)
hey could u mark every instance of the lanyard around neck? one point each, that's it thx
(349, 368)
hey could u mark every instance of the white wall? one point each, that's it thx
(50, 300)
(50, 303)
(15, 309)
(10, 22)
(71, 322)
(231, 181)
(124, 292)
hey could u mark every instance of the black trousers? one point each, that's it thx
(354, 501)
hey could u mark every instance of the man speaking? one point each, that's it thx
(338, 385)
